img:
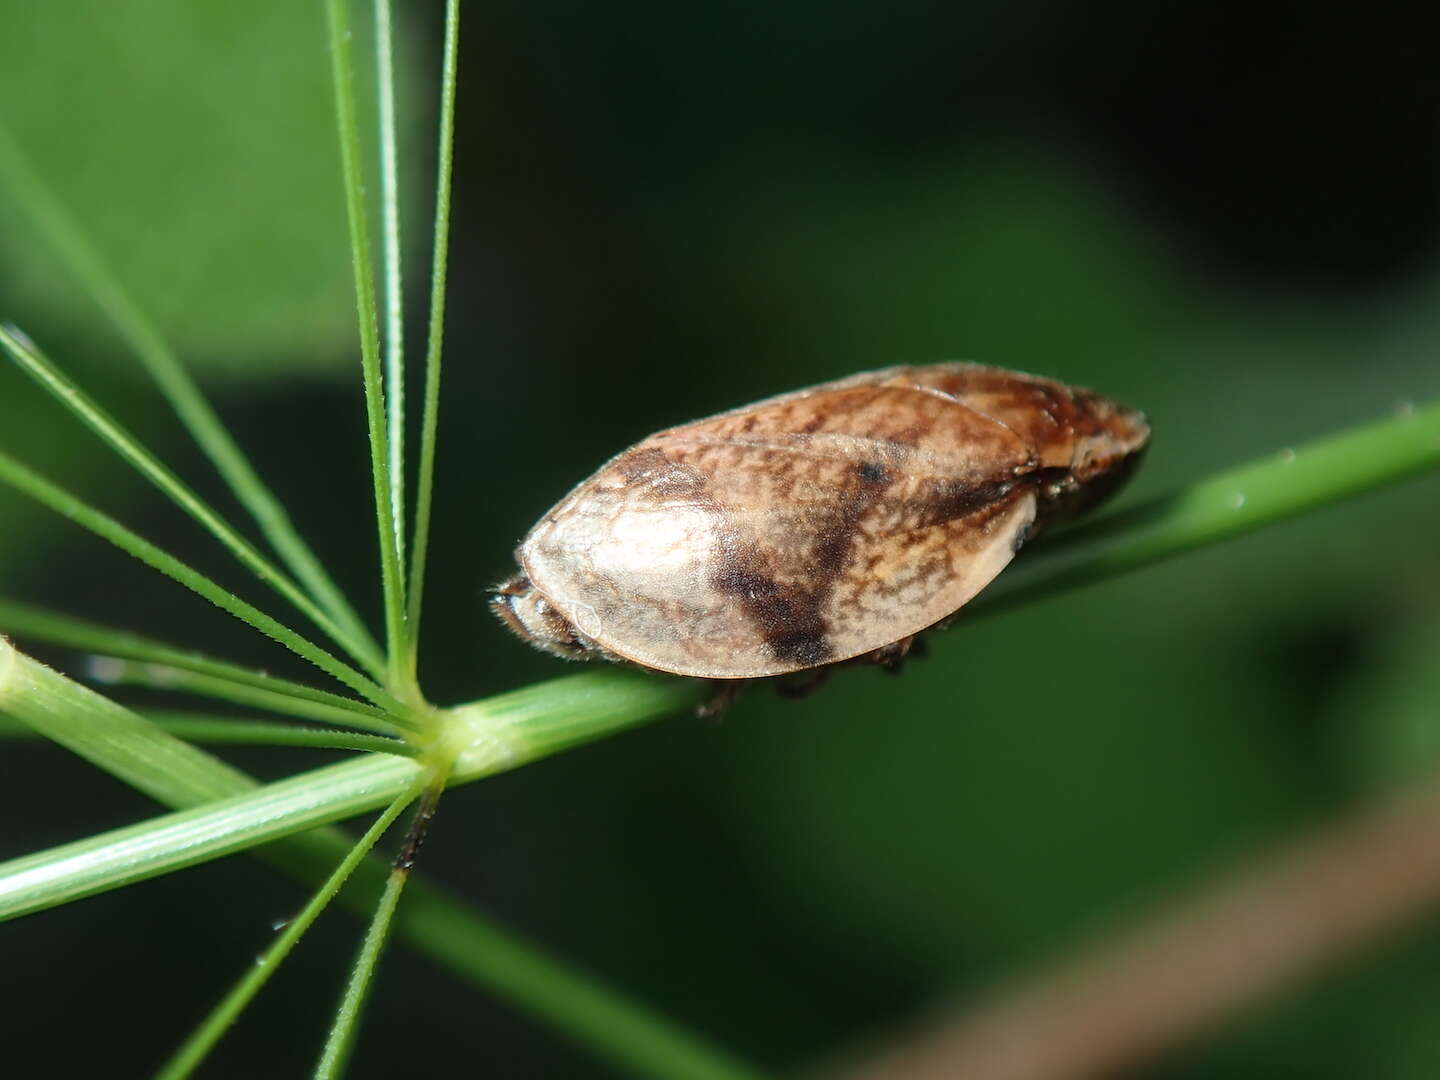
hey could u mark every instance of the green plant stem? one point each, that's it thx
(340, 1042)
(391, 574)
(487, 737)
(67, 505)
(131, 673)
(71, 633)
(431, 920)
(1232, 503)
(127, 746)
(215, 829)
(42, 369)
(394, 291)
(203, 1040)
(180, 390)
(425, 481)
(208, 728)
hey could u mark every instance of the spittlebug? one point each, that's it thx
(825, 525)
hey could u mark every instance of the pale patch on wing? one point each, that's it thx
(647, 543)
(635, 578)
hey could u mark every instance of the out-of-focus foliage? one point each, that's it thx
(195, 143)
(663, 212)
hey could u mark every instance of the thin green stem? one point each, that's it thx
(394, 291)
(174, 680)
(42, 369)
(226, 730)
(67, 505)
(617, 1028)
(425, 484)
(194, 1050)
(484, 738)
(201, 833)
(111, 737)
(205, 728)
(180, 390)
(1229, 504)
(341, 1041)
(71, 633)
(392, 581)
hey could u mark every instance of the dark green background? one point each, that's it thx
(1223, 214)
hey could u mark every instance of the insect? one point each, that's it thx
(825, 525)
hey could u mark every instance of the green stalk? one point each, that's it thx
(346, 1026)
(131, 673)
(128, 747)
(394, 291)
(208, 728)
(1229, 504)
(392, 580)
(42, 370)
(486, 737)
(435, 923)
(425, 483)
(71, 633)
(217, 828)
(67, 505)
(340, 1041)
(179, 389)
(194, 1050)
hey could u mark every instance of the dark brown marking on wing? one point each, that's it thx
(956, 499)
(872, 472)
(788, 615)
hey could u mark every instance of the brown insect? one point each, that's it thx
(824, 525)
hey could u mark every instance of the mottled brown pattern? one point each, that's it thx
(788, 608)
(815, 527)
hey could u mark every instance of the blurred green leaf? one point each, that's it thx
(210, 189)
